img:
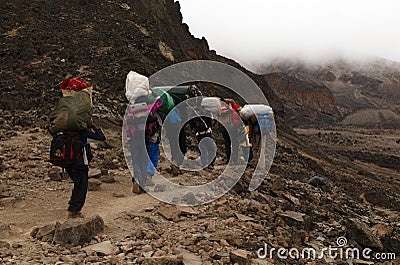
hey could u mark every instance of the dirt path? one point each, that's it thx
(31, 199)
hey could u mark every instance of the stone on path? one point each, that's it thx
(78, 231)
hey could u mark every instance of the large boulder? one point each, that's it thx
(78, 231)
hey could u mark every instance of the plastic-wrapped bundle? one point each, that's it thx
(253, 109)
(212, 104)
(136, 86)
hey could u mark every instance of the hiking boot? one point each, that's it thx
(174, 170)
(136, 188)
(143, 190)
(149, 182)
(74, 214)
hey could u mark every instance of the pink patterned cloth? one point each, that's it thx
(130, 128)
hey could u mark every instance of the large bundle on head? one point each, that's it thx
(136, 86)
(71, 113)
(253, 109)
(71, 86)
(212, 104)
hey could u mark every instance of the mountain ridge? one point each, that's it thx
(356, 86)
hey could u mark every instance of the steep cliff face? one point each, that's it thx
(100, 41)
(306, 100)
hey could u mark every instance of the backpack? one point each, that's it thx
(168, 102)
(153, 127)
(178, 93)
(137, 113)
(65, 150)
(264, 121)
(174, 117)
(229, 117)
(136, 118)
(71, 113)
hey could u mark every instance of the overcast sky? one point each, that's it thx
(254, 31)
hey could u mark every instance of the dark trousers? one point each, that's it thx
(231, 145)
(80, 179)
(177, 144)
(207, 150)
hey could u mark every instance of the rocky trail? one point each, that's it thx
(284, 211)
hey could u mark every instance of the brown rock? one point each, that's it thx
(243, 218)
(55, 174)
(170, 213)
(78, 231)
(361, 233)
(382, 230)
(110, 164)
(159, 253)
(291, 198)
(45, 233)
(152, 235)
(101, 249)
(293, 218)
(147, 248)
(185, 210)
(240, 256)
(392, 243)
(108, 179)
(6, 199)
(94, 173)
(224, 243)
(94, 185)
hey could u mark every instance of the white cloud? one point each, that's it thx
(254, 31)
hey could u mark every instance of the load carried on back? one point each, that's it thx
(254, 109)
(74, 109)
(168, 102)
(181, 93)
(259, 114)
(212, 104)
(141, 103)
(71, 115)
(136, 86)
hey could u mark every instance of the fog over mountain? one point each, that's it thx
(263, 30)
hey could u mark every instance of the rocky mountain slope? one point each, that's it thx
(101, 41)
(349, 92)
